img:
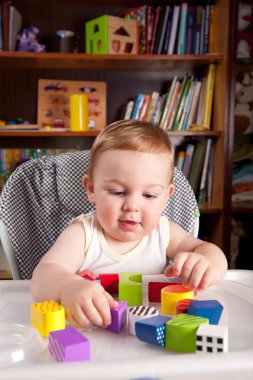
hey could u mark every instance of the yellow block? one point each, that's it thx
(171, 294)
(47, 316)
(79, 112)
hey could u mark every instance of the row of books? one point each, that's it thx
(178, 29)
(10, 159)
(186, 105)
(10, 25)
(195, 159)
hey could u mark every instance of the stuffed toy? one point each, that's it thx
(245, 31)
(244, 102)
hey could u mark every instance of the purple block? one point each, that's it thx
(69, 345)
(119, 316)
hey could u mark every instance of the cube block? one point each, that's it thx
(212, 338)
(155, 287)
(211, 309)
(130, 288)
(110, 281)
(181, 332)
(152, 330)
(47, 316)
(119, 317)
(171, 294)
(69, 345)
(138, 313)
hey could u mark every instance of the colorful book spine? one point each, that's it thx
(153, 118)
(168, 102)
(181, 47)
(197, 30)
(190, 30)
(157, 16)
(202, 187)
(188, 105)
(192, 113)
(180, 159)
(174, 28)
(181, 104)
(167, 33)
(171, 112)
(197, 165)
(175, 110)
(139, 14)
(151, 106)
(129, 110)
(163, 29)
(208, 100)
(188, 159)
(144, 107)
(137, 106)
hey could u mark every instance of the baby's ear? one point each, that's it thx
(89, 187)
(170, 190)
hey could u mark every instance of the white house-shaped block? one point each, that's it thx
(212, 338)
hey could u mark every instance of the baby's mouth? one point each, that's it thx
(128, 224)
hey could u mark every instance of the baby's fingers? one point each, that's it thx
(207, 279)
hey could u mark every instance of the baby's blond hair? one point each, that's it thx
(135, 135)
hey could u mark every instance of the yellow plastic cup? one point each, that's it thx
(79, 113)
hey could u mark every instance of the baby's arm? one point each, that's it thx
(86, 302)
(199, 264)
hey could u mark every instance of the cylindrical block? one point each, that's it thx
(79, 112)
(171, 294)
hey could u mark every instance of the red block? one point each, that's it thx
(155, 287)
(110, 281)
(182, 306)
(86, 273)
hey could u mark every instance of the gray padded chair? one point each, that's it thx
(43, 195)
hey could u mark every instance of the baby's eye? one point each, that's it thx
(149, 196)
(117, 192)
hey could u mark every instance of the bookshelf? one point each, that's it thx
(125, 76)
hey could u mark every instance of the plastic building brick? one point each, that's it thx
(182, 306)
(138, 313)
(212, 338)
(152, 330)
(210, 309)
(181, 332)
(69, 345)
(88, 275)
(171, 294)
(130, 288)
(110, 281)
(155, 287)
(119, 316)
(47, 316)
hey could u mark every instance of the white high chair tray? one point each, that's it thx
(123, 356)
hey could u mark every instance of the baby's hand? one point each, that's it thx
(195, 270)
(87, 303)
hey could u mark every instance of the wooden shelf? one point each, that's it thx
(23, 60)
(206, 208)
(95, 133)
(242, 208)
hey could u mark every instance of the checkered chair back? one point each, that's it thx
(43, 195)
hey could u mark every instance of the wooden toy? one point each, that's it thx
(155, 287)
(210, 309)
(130, 288)
(110, 281)
(47, 316)
(171, 294)
(111, 35)
(119, 317)
(181, 332)
(87, 274)
(137, 313)
(212, 338)
(152, 329)
(68, 345)
(182, 306)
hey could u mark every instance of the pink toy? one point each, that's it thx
(69, 345)
(88, 275)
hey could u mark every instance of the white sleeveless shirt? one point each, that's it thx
(148, 257)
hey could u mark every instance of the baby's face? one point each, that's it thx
(130, 190)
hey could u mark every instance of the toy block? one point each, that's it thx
(119, 317)
(155, 287)
(47, 316)
(111, 35)
(210, 309)
(88, 275)
(171, 294)
(182, 306)
(212, 338)
(68, 345)
(110, 282)
(137, 313)
(152, 330)
(181, 332)
(130, 288)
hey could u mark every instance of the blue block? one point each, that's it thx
(210, 309)
(152, 330)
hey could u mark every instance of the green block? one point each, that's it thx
(130, 288)
(181, 332)
(96, 35)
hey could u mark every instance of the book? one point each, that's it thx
(197, 30)
(174, 28)
(128, 110)
(211, 48)
(156, 19)
(160, 110)
(190, 30)
(202, 188)
(179, 97)
(171, 111)
(188, 159)
(181, 104)
(15, 24)
(200, 106)
(201, 48)
(195, 99)
(197, 164)
(150, 18)
(187, 106)
(151, 106)
(163, 30)
(137, 106)
(167, 33)
(181, 47)
(159, 30)
(208, 99)
(158, 102)
(206, 28)
(180, 159)
(168, 102)
(139, 14)
(144, 107)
